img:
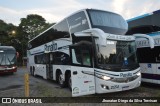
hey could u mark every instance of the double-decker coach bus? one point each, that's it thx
(89, 52)
(7, 59)
(149, 59)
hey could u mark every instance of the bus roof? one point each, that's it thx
(66, 18)
(144, 15)
(150, 19)
(7, 47)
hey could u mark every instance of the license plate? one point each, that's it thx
(125, 87)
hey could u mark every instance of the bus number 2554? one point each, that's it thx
(114, 86)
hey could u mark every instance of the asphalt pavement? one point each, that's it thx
(40, 87)
(9, 81)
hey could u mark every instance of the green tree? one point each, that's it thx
(28, 28)
(18, 37)
(32, 25)
(7, 32)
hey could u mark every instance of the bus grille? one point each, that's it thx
(2, 68)
(124, 80)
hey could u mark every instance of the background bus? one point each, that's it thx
(89, 52)
(7, 59)
(149, 58)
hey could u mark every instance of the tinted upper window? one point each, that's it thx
(59, 30)
(108, 22)
(78, 22)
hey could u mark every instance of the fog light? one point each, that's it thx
(139, 82)
(13, 67)
(104, 87)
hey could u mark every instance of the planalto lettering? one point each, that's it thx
(126, 75)
(51, 47)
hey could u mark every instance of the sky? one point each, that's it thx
(11, 11)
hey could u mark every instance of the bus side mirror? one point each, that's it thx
(96, 33)
(150, 39)
(100, 41)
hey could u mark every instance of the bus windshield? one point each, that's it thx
(108, 22)
(7, 57)
(117, 56)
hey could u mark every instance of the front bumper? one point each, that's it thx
(103, 86)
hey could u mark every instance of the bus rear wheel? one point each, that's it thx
(60, 80)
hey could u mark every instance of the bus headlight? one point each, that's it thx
(13, 67)
(139, 73)
(106, 78)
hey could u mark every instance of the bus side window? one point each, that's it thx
(65, 59)
(86, 58)
(35, 59)
(58, 58)
(81, 56)
(156, 53)
(76, 56)
(51, 57)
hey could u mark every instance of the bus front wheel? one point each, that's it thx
(69, 81)
(31, 70)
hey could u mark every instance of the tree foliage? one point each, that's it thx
(7, 32)
(32, 25)
(18, 37)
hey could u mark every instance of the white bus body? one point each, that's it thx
(88, 53)
(148, 58)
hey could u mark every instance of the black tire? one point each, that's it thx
(61, 82)
(31, 70)
(69, 82)
(33, 73)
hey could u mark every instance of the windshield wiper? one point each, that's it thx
(1, 60)
(9, 60)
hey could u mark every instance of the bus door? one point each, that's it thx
(49, 67)
(82, 71)
(157, 57)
